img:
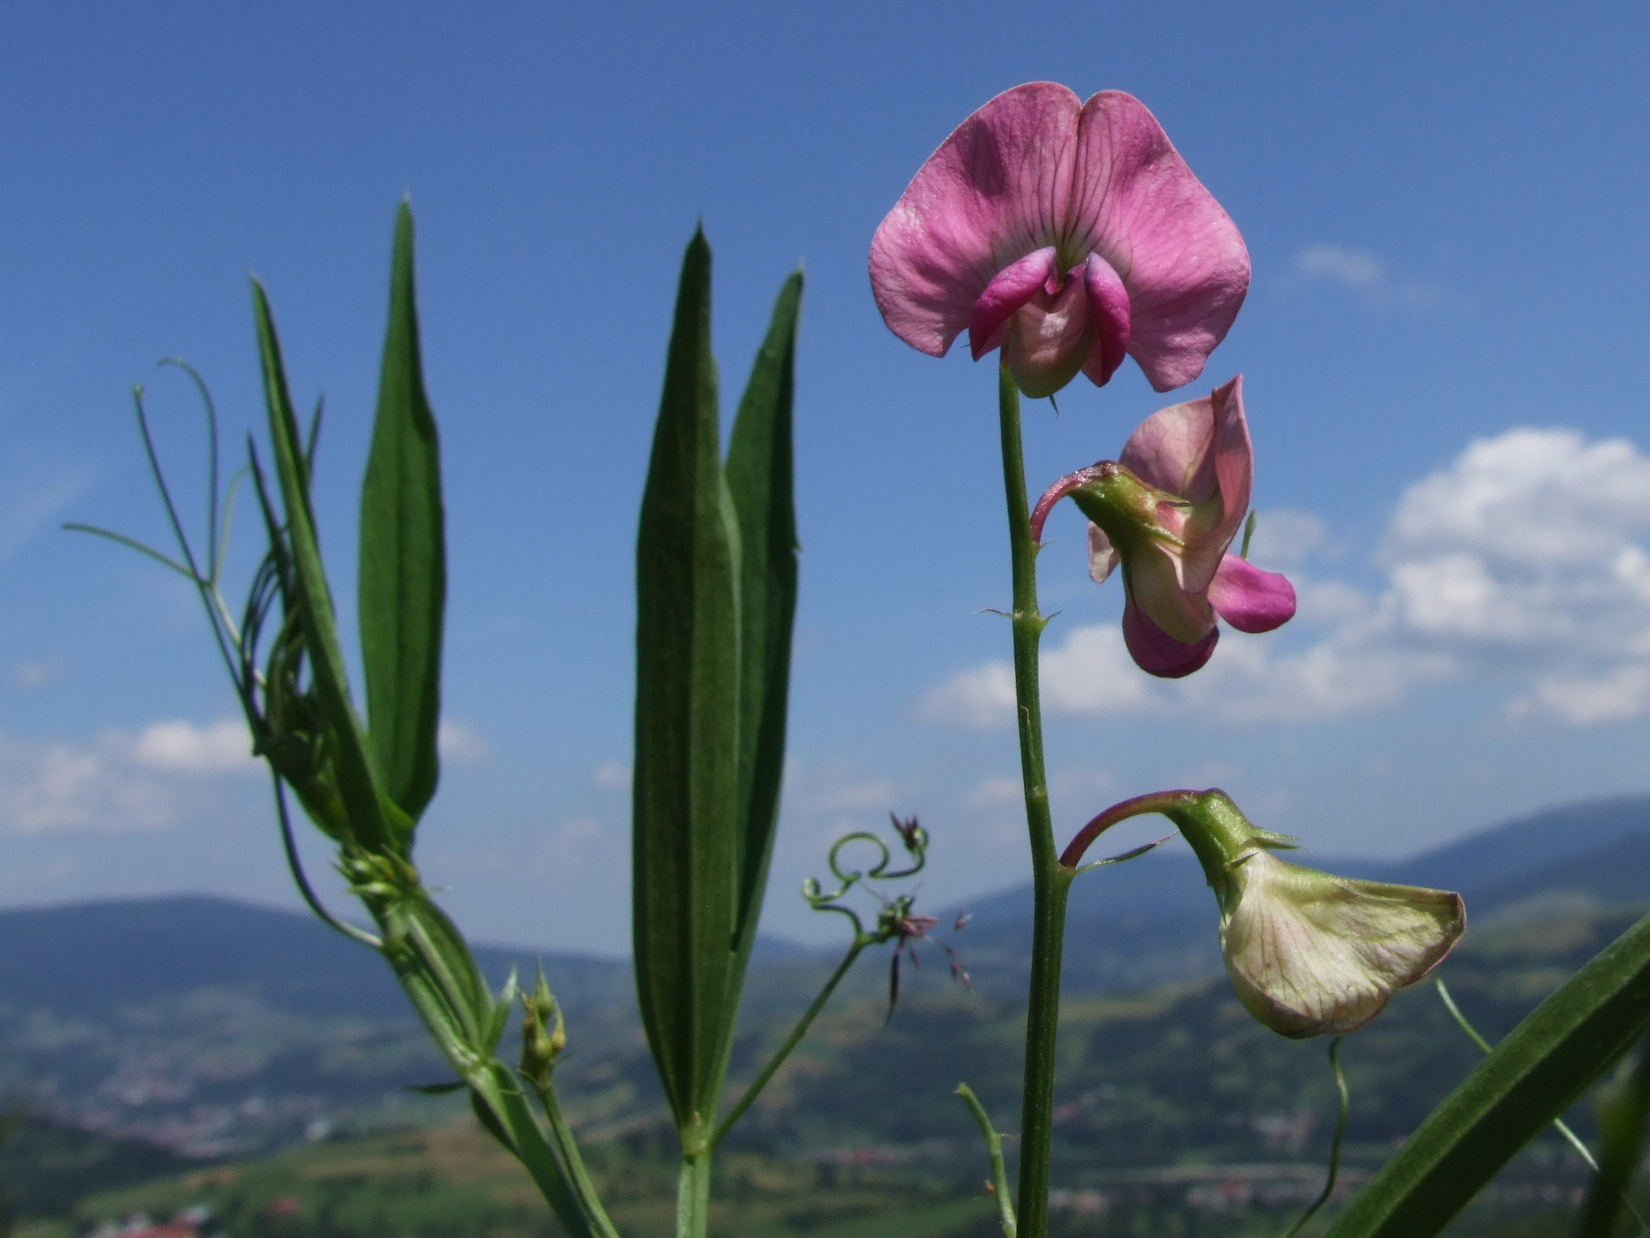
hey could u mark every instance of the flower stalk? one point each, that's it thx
(1051, 882)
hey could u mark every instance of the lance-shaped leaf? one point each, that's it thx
(1539, 1070)
(373, 820)
(686, 781)
(760, 479)
(402, 571)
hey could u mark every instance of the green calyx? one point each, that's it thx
(1222, 838)
(1124, 506)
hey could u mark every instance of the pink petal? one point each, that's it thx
(1157, 653)
(1234, 454)
(1200, 451)
(1152, 577)
(1048, 340)
(1103, 558)
(1170, 450)
(1109, 310)
(1013, 286)
(1249, 599)
(1179, 254)
(996, 189)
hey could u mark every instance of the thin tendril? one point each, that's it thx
(296, 865)
(1335, 1145)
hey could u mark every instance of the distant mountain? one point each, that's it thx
(1153, 919)
(91, 958)
(219, 1028)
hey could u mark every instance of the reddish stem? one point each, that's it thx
(1059, 490)
(1139, 806)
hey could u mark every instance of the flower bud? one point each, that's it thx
(543, 1033)
(1309, 953)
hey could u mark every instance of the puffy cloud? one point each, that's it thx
(462, 744)
(1522, 562)
(1351, 268)
(118, 780)
(180, 747)
(1363, 273)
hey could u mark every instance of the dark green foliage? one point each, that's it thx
(358, 783)
(686, 852)
(46, 1167)
(716, 594)
(402, 568)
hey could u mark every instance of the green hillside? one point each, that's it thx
(1179, 1116)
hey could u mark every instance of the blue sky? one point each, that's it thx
(1444, 358)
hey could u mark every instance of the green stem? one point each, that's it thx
(693, 1193)
(1328, 1191)
(1559, 1124)
(567, 1149)
(1050, 882)
(994, 1149)
(861, 940)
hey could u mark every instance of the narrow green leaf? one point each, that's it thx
(1539, 1070)
(403, 578)
(1621, 1120)
(760, 478)
(685, 791)
(358, 784)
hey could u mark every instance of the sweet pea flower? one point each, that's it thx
(1069, 234)
(1166, 510)
(1308, 953)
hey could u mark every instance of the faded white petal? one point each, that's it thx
(1103, 556)
(1310, 954)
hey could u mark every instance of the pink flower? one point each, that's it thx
(1069, 234)
(1166, 510)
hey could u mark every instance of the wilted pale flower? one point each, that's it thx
(1166, 510)
(1309, 953)
(1069, 234)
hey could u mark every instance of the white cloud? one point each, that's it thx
(117, 781)
(462, 744)
(995, 791)
(1351, 268)
(1522, 561)
(180, 747)
(611, 774)
(1364, 273)
(37, 674)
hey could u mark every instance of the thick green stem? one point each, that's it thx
(1050, 882)
(693, 1193)
(861, 940)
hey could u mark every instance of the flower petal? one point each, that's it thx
(1012, 287)
(1109, 309)
(1152, 576)
(1170, 450)
(1179, 254)
(1200, 451)
(1311, 954)
(996, 189)
(1048, 340)
(1157, 653)
(1249, 599)
(1234, 454)
(1103, 557)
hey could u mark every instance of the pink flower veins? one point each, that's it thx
(1069, 234)
(1167, 510)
